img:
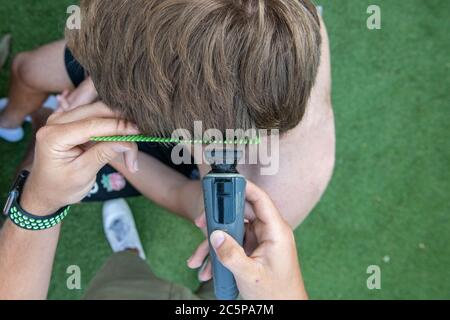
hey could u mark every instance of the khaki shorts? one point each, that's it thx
(127, 277)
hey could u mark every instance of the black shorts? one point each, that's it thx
(76, 72)
(110, 184)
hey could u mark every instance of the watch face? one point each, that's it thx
(9, 202)
(16, 189)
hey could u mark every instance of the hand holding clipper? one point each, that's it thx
(224, 196)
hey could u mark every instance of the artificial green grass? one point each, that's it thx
(389, 194)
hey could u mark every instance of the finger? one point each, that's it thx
(205, 273)
(76, 100)
(131, 158)
(200, 222)
(62, 96)
(103, 153)
(196, 260)
(231, 254)
(263, 206)
(81, 99)
(97, 110)
(250, 240)
(65, 93)
(72, 103)
(73, 134)
(62, 103)
(59, 109)
(249, 215)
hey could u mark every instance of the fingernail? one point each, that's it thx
(121, 149)
(189, 261)
(201, 276)
(217, 239)
(197, 221)
(136, 166)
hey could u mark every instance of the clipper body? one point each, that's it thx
(224, 196)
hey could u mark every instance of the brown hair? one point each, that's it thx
(229, 63)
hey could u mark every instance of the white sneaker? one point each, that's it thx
(119, 226)
(12, 135)
(17, 134)
(50, 103)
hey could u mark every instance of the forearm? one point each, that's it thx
(164, 186)
(26, 261)
(26, 257)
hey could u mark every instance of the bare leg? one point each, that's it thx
(34, 75)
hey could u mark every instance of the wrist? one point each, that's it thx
(31, 201)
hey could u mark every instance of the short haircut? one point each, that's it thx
(232, 64)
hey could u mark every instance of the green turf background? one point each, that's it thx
(390, 193)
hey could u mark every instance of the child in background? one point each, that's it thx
(165, 64)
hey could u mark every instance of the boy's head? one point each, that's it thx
(228, 63)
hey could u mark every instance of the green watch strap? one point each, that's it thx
(22, 218)
(27, 221)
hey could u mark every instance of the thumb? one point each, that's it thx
(231, 254)
(102, 153)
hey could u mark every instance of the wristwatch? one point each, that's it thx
(24, 219)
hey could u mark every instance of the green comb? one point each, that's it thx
(141, 138)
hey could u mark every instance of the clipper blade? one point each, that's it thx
(223, 161)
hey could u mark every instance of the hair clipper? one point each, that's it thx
(224, 195)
